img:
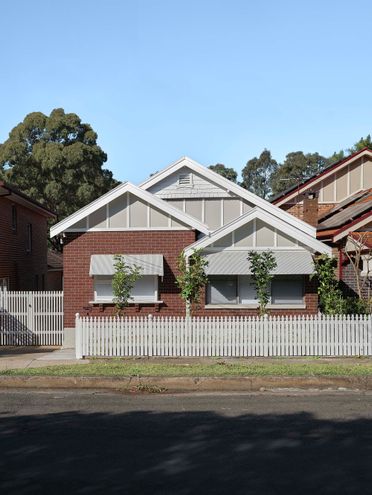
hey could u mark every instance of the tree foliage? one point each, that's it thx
(330, 296)
(192, 278)
(228, 173)
(364, 142)
(261, 266)
(257, 174)
(123, 281)
(55, 160)
(296, 168)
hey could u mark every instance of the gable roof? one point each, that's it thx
(139, 193)
(256, 213)
(11, 192)
(293, 191)
(228, 186)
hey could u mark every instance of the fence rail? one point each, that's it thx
(31, 318)
(224, 336)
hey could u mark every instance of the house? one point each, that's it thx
(338, 202)
(183, 207)
(23, 241)
(55, 270)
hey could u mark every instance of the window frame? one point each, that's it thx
(133, 300)
(283, 278)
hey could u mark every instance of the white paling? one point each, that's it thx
(225, 336)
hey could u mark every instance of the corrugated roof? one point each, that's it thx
(345, 216)
(344, 204)
(150, 264)
(236, 263)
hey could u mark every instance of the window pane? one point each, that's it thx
(103, 287)
(223, 290)
(145, 288)
(287, 291)
(247, 291)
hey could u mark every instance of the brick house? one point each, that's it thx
(338, 203)
(23, 242)
(182, 207)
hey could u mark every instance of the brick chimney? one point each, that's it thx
(310, 208)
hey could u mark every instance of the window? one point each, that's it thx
(184, 180)
(223, 290)
(287, 291)
(29, 238)
(4, 283)
(14, 218)
(145, 289)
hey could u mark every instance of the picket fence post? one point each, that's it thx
(78, 337)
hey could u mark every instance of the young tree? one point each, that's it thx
(330, 296)
(192, 278)
(261, 266)
(228, 173)
(357, 252)
(123, 281)
(257, 174)
(55, 160)
(296, 168)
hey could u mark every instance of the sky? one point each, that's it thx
(215, 80)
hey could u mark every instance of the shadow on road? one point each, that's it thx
(183, 453)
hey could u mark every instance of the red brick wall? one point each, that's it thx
(78, 286)
(15, 263)
(297, 209)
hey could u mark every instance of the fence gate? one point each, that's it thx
(31, 317)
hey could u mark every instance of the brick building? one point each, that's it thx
(23, 241)
(338, 203)
(185, 207)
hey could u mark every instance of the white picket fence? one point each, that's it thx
(31, 318)
(224, 336)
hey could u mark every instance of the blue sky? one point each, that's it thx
(217, 80)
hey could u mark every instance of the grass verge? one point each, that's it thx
(122, 368)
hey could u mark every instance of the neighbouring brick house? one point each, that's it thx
(185, 206)
(338, 202)
(23, 241)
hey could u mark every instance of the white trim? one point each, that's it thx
(292, 195)
(352, 228)
(254, 214)
(230, 187)
(127, 187)
(126, 229)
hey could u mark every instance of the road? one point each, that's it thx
(88, 442)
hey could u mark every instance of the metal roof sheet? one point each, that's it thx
(236, 263)
(150, 264)
(345, 216)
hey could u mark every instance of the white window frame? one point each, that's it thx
(133, 300)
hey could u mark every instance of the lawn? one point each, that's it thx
(125, 368)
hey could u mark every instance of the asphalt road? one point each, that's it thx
(94, 442)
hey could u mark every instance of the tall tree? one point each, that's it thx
(296, 168)
(362, 143)
(257, 174)
(55, 160)
(227, 172)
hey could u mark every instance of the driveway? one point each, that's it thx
(35, 357)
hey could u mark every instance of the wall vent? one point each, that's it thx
(184, 180)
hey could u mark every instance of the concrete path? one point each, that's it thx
(35, 357)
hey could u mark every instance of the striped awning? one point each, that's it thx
(150, 264)
(236, 263)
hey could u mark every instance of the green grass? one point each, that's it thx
(126, 368)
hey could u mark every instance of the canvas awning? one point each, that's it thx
(236, 263)
(150, 264)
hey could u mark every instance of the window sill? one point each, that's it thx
(110, 301)
(254, 306)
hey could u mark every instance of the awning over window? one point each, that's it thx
(236, 263)
(150, 264)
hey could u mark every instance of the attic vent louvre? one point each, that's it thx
(184, 180)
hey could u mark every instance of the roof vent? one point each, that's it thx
(184, 180)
